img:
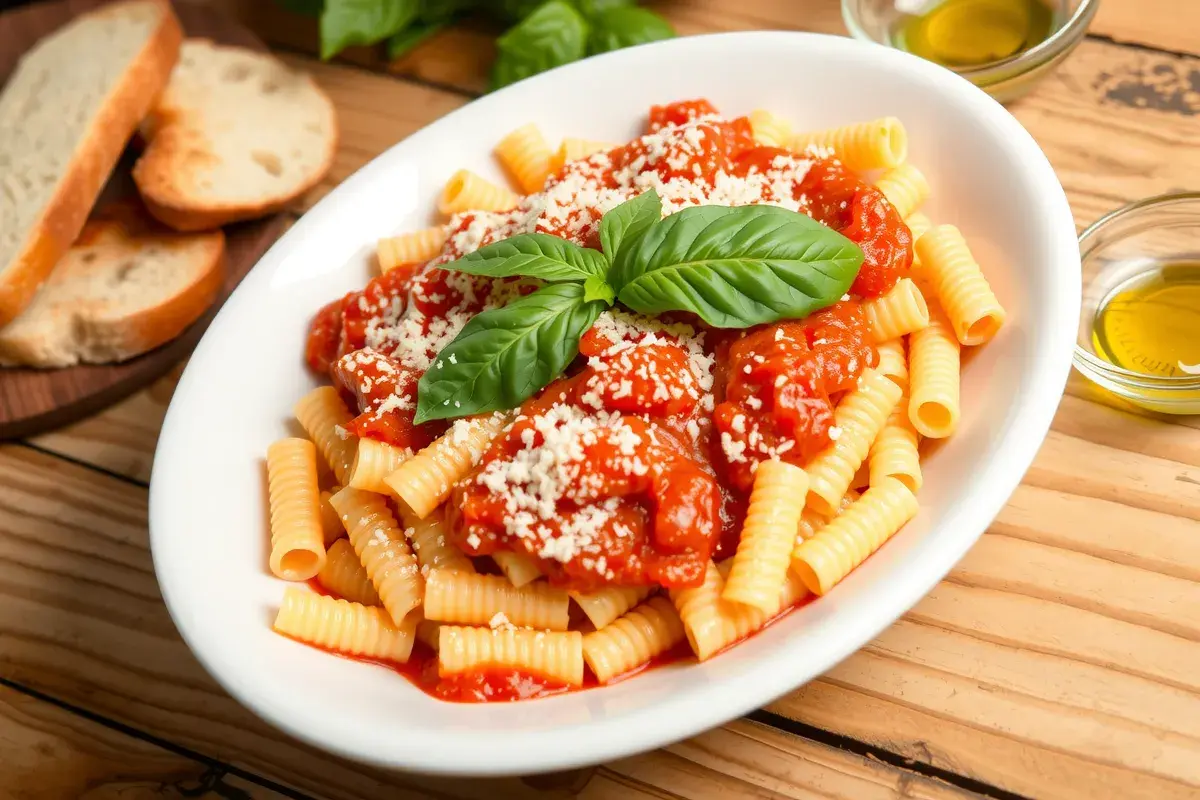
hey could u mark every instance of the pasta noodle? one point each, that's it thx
(468, 599)
(526, 156)
(893, 362)
(331, 523)
(918, 224)
(649, 630)
(383, 550)
(603, 606)
(425, 480)
(878, 144)
(933, 375)
(428, 633)
(344, 627)
(555, 657)
(894, 452)
(770, 129)
(466, 191)
(428, 539)
(374, 461)
(576, 149)
(858, 418)
(343, 574)
(899, 312)
(760, 565)
(519, 568)
(409, 248)
(297, 540)
(843, 544)
(905, 188)
(974, 312)
(323, 416)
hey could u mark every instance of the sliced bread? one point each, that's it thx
(65, 116)
(127, 286)
(236, 135)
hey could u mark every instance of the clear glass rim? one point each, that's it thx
(1092, 366)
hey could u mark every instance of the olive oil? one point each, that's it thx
(969, 33)
(1151, 323)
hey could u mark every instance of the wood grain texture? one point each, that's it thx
(33, 400)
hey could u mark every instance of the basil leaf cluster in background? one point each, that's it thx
(544, 33)
(734, 267)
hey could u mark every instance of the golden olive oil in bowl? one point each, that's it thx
(1151, 323)
(971, 33)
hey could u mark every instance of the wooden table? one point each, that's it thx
(1060, 659)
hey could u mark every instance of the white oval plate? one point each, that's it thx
(207, 498)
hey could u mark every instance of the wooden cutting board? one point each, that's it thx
(32, 401)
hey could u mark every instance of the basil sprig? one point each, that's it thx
(732, 267)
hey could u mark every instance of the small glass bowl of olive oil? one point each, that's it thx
(1002, 46)
(1139, 333)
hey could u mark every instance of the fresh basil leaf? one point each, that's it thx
(622, 227)
(350, 22)
(626, 26)
(534, 255)
(553, 35)
(590, 8)
(309, 8)
(596, 288)
(504, 355)
(443, 11)
(737, 267)
(513, 10)
(404, 41)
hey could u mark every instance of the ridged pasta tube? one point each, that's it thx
(383, 550)
(425, 480)
(934, 377)
(894, 452)
(905, 187)
(760, 565)
(374, 461)
(974, 312)
(413, 247)
(519, 568)
(574, 149)
(901, 311)
(770, 129)
(324, 417)
(846, 541)
(859, 418)
(553, 657)
(297, 539)
(645, 632)
(429, 543)
(343, 575)
(603, 606)
(466, 191)
(526, 156)
(467, 599)
(331, 523)
(892, 361)
(342, 626)
(918, 224)
(878, 144)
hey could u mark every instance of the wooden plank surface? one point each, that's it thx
(1057, 660)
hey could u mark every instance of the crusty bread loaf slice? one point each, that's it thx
(65, 116)
(127, 286)
(236, 135)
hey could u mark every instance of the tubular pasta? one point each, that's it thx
(297, 540)
(894, 452)
(974, 312)
(770, 129)
(878, 144)
(893, 362)
(519, 568)
(425, 480)
(428, 633)
(603, 606)
(652, 628)
(843, 544)
(331, 523)
(573, 149)
(428, 539)
(760, 565)
(343, 574)
(918, 224)
(323, 416)
(466, 191)
(526, 156)
(345, 627)
(374, 461)
(469, 599)
(859, 418)
(554, 657)
(933, 375)
(383, 550)
(901, 311)
(905, 188)
(414, 247)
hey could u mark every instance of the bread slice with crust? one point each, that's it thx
(127, 286)
(65, 116)
(236, 135)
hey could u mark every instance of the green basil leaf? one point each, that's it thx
(404, 41)
(534, 255)
(506, 354)
(591, 8)
(553, 35)
(596, 288)
(622, 227)
(350, 22)
(513, 10)
(443, 11)
(309, 8)
(737, 267)
(626, 26)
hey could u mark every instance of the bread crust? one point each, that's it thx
(64, 215)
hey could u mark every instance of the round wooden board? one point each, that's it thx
(32, 401)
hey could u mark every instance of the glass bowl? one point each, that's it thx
(1115, 250)
(1006, 79)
